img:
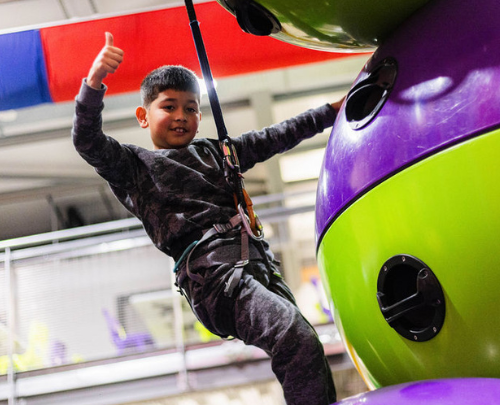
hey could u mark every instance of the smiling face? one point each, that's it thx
(173, 118)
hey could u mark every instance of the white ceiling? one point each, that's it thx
(16, 14)
(40, 173)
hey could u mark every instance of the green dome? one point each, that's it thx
(335, 25)
(443, 211)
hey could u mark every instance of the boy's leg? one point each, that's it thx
(263, 313)
(269, 319)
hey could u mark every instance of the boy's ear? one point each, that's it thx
(142, 117)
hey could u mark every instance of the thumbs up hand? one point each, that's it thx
(107, 61)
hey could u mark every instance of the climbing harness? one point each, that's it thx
(246, 219)
(232, 172)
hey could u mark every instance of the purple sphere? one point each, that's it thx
(444, 90)
(458, 391)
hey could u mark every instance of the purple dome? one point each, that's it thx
(446, 71)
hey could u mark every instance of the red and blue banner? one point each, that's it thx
(47, 65)
(23, 76)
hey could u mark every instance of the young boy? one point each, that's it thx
(179, 192)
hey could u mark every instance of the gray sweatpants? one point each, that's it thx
(262, 312)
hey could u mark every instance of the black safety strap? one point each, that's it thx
(232, 171)
(231, 164)
(251, 226)
(207, 73)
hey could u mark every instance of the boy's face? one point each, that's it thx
(173, 119)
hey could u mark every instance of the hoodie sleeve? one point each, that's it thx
(111, 160)
(258, 146)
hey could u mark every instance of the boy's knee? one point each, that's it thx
(302, 336)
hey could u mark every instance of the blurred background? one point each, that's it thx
(88, 314)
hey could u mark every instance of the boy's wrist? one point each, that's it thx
(90, 96)
(95, 84)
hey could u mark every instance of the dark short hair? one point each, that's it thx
(168, 77)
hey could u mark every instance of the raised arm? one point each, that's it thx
(112, 161)
(257, 146)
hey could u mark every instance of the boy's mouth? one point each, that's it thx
(180, 130)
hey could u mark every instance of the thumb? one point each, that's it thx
(109, 39)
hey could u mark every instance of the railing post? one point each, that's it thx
(183, 380)
(11, 326)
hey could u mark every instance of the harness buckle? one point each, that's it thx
(236, 278)
(241, 263)
(223, 228)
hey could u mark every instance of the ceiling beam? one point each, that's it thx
(44, 176)
(130, 121)
(56, 190)
(93, 7)
(64, 9)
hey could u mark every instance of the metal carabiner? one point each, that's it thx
(228, 153)
(246, 224)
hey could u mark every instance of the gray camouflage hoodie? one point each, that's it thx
(178, 193)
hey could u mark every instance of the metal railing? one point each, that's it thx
(60, 286)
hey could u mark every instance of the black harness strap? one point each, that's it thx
(207, 74)
(248, 220)
(231, 165)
